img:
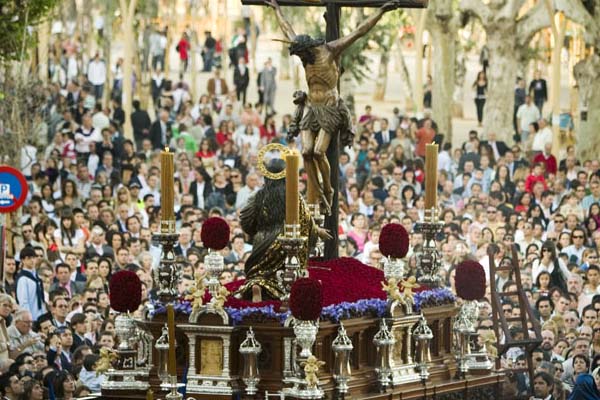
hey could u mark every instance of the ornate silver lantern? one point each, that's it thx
(463, 328)
(423, 336)
(250, 349)
(306, 334)
(384, 341)
(162, 348)
(214, 265)
(393, 268)
(342, 346)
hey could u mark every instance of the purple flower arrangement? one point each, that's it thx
(334, 313)
(360, 308)
(433, 298)
(237, 315)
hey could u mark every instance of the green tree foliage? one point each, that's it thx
(16, 16)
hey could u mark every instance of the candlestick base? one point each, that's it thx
(429, 259)
(166, 276)
(173, 386)
(291, 243)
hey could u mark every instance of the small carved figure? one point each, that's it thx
(489, 343)
(392, 290)
(408, 285)
(220, 298)
(195, 297)
(311, 367)
(106, 360)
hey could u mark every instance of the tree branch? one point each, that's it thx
(533, 21)
(575, 11)
(477, 8)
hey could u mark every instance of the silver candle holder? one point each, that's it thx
(384, 341)
(214, 264)
(291, 242)
(342, 347)
(423, 336)
(429, 260)
(250, 348)
(167, 275)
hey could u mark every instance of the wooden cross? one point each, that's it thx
(332, 32)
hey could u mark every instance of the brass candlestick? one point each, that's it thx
(166, 276)
(291, 242)
(429, 260)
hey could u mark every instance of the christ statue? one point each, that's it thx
(326, 114)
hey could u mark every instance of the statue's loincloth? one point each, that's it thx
(331, 119)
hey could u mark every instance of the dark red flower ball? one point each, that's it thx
(393, 241)
(215, 233)
(306, 299)
(125, 291)
(470, 280)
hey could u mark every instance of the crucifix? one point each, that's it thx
(326, 119)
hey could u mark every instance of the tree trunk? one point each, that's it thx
(382, 76)
(443, 27)
(194, 64)
(460, 74)
(587, 74)
(43, 36)
(419, 21)
(128, 12)
(559, 36)
(443, 79)
(499, 105)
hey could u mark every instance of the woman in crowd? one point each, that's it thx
(358, 231)
(69, 238)
(549, 262)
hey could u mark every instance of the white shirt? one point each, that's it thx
(200, 194)
(527, 115)
(97, 72)
(444, 161)
(100, 121)
(541, 138)
(83, 138)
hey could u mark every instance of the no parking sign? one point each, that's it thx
(13, 189)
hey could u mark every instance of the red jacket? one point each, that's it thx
(549, 162)
(531, 181)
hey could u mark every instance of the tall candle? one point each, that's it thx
(171, 327)
(167, 197)
(431, 158)
(149, 395)
(292, 204)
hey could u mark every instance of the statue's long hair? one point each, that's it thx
(301, 47)
(271, 199)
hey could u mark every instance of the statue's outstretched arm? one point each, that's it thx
(286, 27)
(339, 45)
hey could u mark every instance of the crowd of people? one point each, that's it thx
(94, 204)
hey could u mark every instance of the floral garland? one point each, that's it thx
(433, 298)
(334, 313)
(360, 308)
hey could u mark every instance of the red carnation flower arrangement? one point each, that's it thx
(470, 280)
(125, 291)
(215, 233)
(394, 241)
(306, 299)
